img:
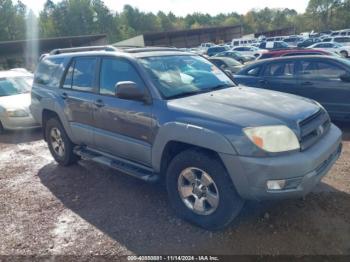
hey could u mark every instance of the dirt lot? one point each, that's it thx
(89, 209)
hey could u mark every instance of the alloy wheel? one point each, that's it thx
(198, 191)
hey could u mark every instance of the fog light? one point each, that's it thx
(276, 184)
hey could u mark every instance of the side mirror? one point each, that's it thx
(345, 77)
(130, 91)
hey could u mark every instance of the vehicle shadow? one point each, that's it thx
(18, 137)
(137, 215)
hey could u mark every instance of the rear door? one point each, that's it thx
(280, 76)
(320, 80)
(77, 93)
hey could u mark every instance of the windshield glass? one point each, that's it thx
(14, 86)
(179, 76)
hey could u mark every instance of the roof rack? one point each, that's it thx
(149, 49)
(83, 49)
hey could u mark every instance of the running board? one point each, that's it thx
(133, 169)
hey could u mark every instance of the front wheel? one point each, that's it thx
(200, 190)
(59, 143)
(344, 54)
(1, 129)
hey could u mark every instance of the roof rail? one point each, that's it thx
(149, 49)
(83, 49)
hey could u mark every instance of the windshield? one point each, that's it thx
(14, 86)
(179, 76)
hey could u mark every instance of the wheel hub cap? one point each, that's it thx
(57, 142)
(198, 191)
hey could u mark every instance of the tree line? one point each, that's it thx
(83, 17)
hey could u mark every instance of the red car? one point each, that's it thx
(294, 52)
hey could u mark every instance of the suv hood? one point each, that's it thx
(246, 107)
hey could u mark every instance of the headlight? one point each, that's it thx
(273, 138)
(16, 113)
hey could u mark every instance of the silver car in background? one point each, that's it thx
(15, 86)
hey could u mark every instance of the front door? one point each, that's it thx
(279, 76)
(123, 127)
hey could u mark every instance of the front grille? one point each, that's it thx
(313, 128)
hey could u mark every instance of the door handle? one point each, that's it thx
(307, 83)
(64, 96)
(262, 82)
(99, 103)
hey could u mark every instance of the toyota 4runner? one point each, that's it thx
(161, 113)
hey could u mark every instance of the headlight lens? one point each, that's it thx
(16, 113)
(273, 138)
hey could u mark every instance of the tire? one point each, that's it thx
(229, 202)
(344, 54)
(2, 130)
(55, 142)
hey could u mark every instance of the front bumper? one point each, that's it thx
(19, 123)
(305, 169)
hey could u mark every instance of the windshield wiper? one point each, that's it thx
(218, 87)
(188, 94)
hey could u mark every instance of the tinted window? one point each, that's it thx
(45, 74)
(114, 71)
(84, 74)
(297, 54)
(321, 70)
(342, 39)
(280, 69)
(239, 49)
(327, 40)
(218, 63)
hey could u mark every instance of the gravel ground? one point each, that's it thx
(88, 209)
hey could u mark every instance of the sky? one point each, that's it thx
(184, 7)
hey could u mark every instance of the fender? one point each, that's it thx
(190, 134)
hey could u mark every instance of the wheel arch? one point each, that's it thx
(176, 137)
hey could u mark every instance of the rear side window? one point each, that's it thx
(342, 39)
(81, 74)
(114, 71)
(46, 72)
(317, 69)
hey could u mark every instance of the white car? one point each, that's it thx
(344, 51)
(15, 100)
(249, 50)
(343, 40)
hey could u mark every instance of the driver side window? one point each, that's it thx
(114, 71)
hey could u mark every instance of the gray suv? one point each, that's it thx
(161, 113)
